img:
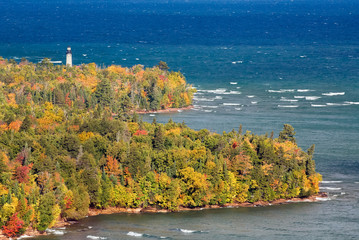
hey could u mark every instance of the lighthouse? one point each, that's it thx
(69, 57)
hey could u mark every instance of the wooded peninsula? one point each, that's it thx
(71, 140)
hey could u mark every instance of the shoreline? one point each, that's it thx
(115, 210)
(167, 110)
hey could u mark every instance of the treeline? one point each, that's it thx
(88, 86)
(58, 161)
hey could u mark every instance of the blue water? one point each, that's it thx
(256, 63)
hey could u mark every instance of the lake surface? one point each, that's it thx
(259, 64)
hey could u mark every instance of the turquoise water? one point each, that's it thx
(256, 64)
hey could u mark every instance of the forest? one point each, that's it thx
(70, 140)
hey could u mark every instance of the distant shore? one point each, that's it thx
(114, 210)
(167, 110)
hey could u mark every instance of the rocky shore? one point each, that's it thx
(113, 210)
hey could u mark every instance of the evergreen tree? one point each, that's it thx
(104, 92)
(26, 124)
(287, 134)
(47, 202)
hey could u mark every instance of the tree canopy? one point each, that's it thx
(69, 142)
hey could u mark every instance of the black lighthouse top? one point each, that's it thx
(68, 50)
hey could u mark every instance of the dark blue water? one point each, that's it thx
(256, 63)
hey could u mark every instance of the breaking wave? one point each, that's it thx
(333, 94)
(231, 104)
(281, 91)
(95, 237)
(134, 234)
(330, 188)
(331, 181)
(311, 98)
(288, 106)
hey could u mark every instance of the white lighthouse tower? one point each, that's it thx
(69, 57)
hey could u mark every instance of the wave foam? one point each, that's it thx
(337, 104)
(352, 103)
(304, 90)
(283, 99)
(233, 83)
(216, 91)
(318, 105)
(205, 106)
(323, 199)
(134, 234)
(330, 188)
(311, 98)
(299, 96)
(231, 104)
(55, 231)
(95, 237)
(250, 96)
(281, 91)
(330, 94)
(238, 109)
(25, 236)
(331, 182)
(254, 102)
(288, 106)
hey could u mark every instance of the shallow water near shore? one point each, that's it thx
(285, 63)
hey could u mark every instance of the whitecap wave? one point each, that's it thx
(311, 98)
(25, 236)
(203, 99)
(216, 91)
(333, 94)
(283, 99)
(352, 103)
(208, 111)
(323, 199)
(288, 106)
(304, 90)
(231, 104)
(250, 96)
(281, 91)
(318, 105)
(134, 234)
(152, 115)
(254, 102)
(233, 83)
(95, 237)
(186, 230)
(331, 181)
(299, 96)
(55, 231)
(238, 109)
(337, 104)
(218, 97)
(330, 188)
(205, 106)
